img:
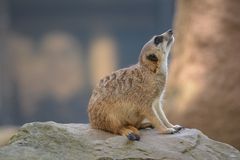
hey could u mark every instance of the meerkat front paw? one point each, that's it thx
(169, 131)
(178, 127)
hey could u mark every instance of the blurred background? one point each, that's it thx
(52, 53)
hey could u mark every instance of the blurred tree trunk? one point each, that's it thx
(204, 78)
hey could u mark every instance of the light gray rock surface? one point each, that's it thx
(54, 141)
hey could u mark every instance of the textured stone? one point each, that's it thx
(54, 141)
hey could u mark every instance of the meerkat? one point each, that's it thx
(123, 99)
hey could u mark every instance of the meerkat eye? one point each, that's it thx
(158, 40)
(152, 57)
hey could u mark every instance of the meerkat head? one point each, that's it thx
(154, 53)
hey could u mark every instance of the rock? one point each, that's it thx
(54, 141)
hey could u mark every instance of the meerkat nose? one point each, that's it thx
(170, 32)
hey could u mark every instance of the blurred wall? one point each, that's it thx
(204, 74)
(53, 52)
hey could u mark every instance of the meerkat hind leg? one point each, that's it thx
(130, 132)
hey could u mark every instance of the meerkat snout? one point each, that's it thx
(165, 36)
(159, 39)
(164, 41)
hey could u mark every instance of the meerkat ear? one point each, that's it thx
(158, 39)
(152, 57)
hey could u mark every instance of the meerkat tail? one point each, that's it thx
(146, 125)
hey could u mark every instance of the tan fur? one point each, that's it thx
(122, 100)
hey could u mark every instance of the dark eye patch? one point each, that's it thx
(152, 57)
(158, 40)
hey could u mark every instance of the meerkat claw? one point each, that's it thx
(170, 131)
(175, 131)
(178, 127)
(133, 137)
